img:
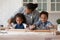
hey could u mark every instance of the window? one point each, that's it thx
(27, 1)
(42, 5)
(45, 5)
(55, 5)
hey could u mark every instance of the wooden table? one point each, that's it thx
(19, 31)
(23, 34)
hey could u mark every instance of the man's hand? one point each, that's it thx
(31, 27)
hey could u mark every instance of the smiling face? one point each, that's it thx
(19, 20)
(43, 18)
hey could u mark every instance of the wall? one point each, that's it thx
(53, 17)
(8, 8)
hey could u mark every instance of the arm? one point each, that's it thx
(36, 18)
(34, 26)
(50, 25)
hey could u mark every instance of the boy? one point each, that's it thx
(43, 23)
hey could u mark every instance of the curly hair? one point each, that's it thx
(18, 15)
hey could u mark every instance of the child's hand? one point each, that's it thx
(50, 27)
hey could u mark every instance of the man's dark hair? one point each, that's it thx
(32, 6)
(44, 12)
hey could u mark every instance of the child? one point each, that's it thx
(43, 23)
(19, 21)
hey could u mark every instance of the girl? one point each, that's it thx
(19, 21)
